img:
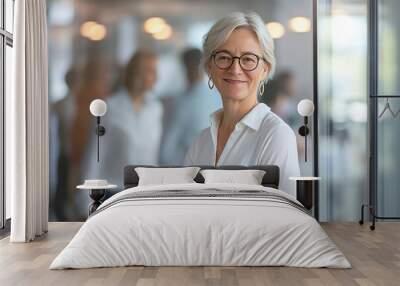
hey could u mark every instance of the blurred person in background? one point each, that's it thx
(85, 83)
(191, 111)
(133, 123)
(64, 113)
(54, 151)
(280, 94)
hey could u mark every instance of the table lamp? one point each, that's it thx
(98, 108)
(305, 109)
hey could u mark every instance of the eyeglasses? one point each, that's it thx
(247, 61)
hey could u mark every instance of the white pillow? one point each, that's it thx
(248, 177)
(162, 176)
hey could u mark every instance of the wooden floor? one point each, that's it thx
(374, 255)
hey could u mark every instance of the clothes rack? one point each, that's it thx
(373, 161)
(373, 113)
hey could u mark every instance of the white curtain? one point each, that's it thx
(27, 124)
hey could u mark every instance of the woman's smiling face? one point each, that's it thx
(235, 83)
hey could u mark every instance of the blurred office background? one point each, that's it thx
(150, 51)
(91, 49)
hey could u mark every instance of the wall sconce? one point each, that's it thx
(98, 108)
(305, 109)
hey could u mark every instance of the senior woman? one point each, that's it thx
(239, 58)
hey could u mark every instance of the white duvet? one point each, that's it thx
(200, 231)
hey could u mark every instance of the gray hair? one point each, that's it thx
(222, 29)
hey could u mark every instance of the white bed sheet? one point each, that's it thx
(200, 231)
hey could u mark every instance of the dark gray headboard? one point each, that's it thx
(270, 179)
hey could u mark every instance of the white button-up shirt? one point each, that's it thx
(259, 138)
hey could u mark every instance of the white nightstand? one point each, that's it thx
(306, 192)
(96, 193)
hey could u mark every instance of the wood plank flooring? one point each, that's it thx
(374, 255)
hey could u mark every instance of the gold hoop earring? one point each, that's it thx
(210, 83)
(261, 88)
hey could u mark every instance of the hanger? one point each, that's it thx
(387, 107)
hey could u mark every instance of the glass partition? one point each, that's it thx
(342, 101)
(388, 157)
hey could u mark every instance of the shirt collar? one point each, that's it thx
(252, 119)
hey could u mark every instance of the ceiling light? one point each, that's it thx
(276, 29)
(86, 27)
(98, 33)
(154, 25)
(164, 34)
(300, 24)
(93, 31)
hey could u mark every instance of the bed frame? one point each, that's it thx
(270, 179)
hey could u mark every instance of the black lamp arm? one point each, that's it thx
(304, 131)
(100, 131)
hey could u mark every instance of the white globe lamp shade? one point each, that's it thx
(98, 107)
(305, 107)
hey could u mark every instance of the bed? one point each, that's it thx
(201, 224)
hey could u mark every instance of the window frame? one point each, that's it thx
(6, 39)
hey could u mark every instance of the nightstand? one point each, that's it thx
(306, 192)
(96, 193)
